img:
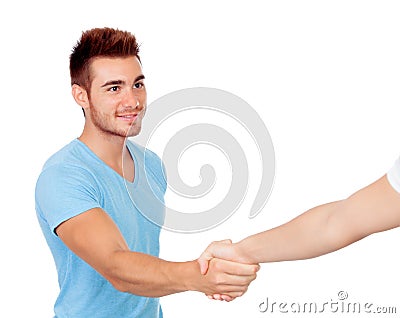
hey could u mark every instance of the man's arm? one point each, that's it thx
(95, 238)
(319, 231)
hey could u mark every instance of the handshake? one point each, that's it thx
(231, 268)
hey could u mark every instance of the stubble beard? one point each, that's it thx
(104, 122)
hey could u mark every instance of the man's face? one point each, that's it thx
(117, 96)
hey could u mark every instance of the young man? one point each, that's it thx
(104, 249)
(321, 230)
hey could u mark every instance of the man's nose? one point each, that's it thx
(132, 99)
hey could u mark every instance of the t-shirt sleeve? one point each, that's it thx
(63, 192)
(394, 175)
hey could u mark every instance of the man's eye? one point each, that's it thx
(138, 85)
(114, 89)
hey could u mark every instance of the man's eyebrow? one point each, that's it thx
(113, 82)
(121, 82)
(140, 77)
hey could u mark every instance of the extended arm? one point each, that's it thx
(320, 230)
(95, 238)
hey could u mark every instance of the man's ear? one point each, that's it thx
(80, 95)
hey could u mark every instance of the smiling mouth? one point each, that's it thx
(127, 117)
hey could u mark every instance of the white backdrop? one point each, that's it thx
(323, 75)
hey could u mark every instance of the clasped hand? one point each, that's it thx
(224, 261)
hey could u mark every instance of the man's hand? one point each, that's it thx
(221, 250)
(227, 278)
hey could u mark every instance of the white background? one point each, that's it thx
(323, 75)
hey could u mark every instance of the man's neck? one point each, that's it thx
(108, 148)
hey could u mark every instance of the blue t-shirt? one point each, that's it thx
(75, 180)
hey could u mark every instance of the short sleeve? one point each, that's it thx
(63, 192)
(394, 175)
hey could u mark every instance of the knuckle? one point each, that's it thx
(217, 265)
(219, 281)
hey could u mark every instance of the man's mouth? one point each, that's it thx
(127, 117)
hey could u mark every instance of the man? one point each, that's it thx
(104, 249)
(321, 230)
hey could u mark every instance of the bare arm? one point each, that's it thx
(95, 238)
(320, 230)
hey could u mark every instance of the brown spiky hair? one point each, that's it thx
(95, 43)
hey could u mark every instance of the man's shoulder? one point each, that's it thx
(62, 155)
(70, 158)
(68, 167)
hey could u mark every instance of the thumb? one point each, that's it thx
(229, 241)
(208, 254)
(203, 260)
(203, 265)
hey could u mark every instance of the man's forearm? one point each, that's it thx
(308, 235)
(321, 230)
(328, 227)
(145, 275)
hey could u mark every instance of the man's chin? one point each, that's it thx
(133, 132)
